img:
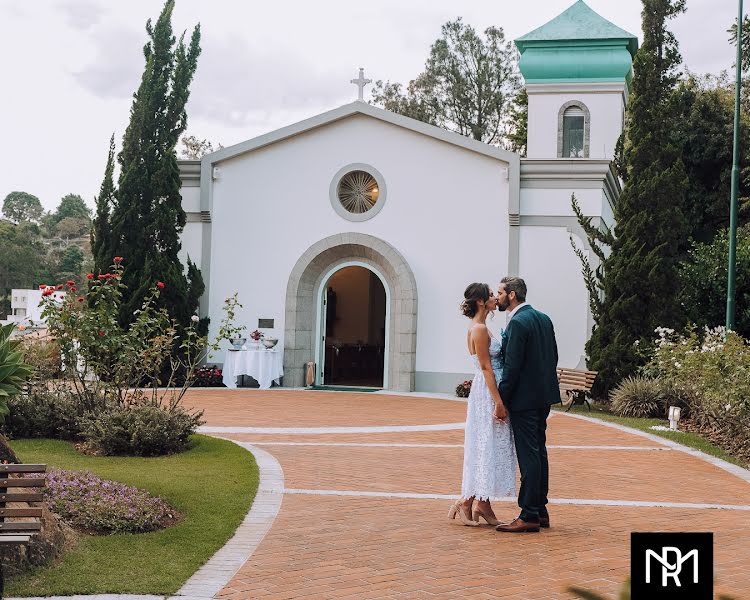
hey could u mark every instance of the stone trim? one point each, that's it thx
(603, 87)
(571, 173)
(586, 127)
(301, 303)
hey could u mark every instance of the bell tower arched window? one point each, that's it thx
(573, 129)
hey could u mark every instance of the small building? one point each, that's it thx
(351, 235)
(26, 307)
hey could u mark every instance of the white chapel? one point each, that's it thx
(347, 235)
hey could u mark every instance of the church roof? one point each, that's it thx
(578, 23)
(359, 108)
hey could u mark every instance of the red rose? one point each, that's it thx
(80, 298)
(118, 259)
(101, 333)
(102, 277)
(70, 282)
(73, 289)
(59, 286)
(90, 276)
(42, 286)
(160, 285)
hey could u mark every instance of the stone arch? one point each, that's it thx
(586, 127)
(306, 277)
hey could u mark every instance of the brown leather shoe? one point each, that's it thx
(518, 526)
(544, 522)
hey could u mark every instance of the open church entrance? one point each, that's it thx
(354, 314)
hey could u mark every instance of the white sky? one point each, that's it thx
(70, 67)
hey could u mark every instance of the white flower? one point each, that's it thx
(195, 318)
(678, 365)
(727, 407)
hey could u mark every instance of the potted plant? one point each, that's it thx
(256, 336)
(227, 329)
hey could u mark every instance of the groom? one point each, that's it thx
(528, 387)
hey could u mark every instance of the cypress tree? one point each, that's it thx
(100, 232)
(147, 218)
(640, 275)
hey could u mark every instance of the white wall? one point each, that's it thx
(446, 213)
(555, 286)
(606, 122)
(550, 202)
(192, 243)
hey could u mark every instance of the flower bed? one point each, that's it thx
(97, 505)
(208, 376)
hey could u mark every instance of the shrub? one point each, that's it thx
(638, 397)
(463, 389)
(88, 502)
(43, 413)
(208, 376)
(141, 430)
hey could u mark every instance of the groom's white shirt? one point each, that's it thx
(512, 313)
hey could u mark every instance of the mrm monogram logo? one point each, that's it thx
(671, 565)
(668, 569)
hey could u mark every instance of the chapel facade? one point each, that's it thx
(351, 235)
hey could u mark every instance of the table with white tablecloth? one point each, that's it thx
(265, 366)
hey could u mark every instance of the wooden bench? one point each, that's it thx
(17, 525)
(576, 384)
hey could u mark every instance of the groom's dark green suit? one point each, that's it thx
(528, 388)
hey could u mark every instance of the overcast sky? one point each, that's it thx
(70, 67)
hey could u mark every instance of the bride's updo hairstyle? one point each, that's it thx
(475, 292)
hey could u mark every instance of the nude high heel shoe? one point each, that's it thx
(456, 510)
(476, 513)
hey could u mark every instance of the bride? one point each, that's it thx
(489, 454)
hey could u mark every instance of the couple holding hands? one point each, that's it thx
(514, 385)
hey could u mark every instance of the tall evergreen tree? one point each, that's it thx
(640, 275)
(100, 227)
(147, 218)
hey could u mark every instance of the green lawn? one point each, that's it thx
(691, 440)
(212, 485)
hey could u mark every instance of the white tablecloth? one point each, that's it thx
(266, 366)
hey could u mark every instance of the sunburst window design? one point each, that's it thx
(358, 192)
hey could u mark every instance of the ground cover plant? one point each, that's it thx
(158, 562)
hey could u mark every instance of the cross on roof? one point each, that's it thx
(361, 82)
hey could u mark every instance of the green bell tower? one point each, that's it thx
(578, 69)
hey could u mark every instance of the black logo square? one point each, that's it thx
(672, 566)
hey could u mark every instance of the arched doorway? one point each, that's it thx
(302, 338)
(353, 326)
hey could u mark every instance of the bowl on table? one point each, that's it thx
(270, 342)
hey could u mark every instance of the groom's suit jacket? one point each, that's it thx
(529, 379)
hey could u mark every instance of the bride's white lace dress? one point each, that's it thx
(489, 453)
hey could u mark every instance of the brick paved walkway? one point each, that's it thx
(363, 514)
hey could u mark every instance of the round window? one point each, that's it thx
(357, 192)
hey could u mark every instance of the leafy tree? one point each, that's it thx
(21, 255)
(703, 281)
(703, 125)
(745, 40)
(71, 227)
(100, 227)
(71, 263)
(147, 217)
(195, 149)
(71, 206)
(640, 275)
(21, 206)
(469, 84)
(519, 123)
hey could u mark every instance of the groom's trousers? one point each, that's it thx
(530, 436)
